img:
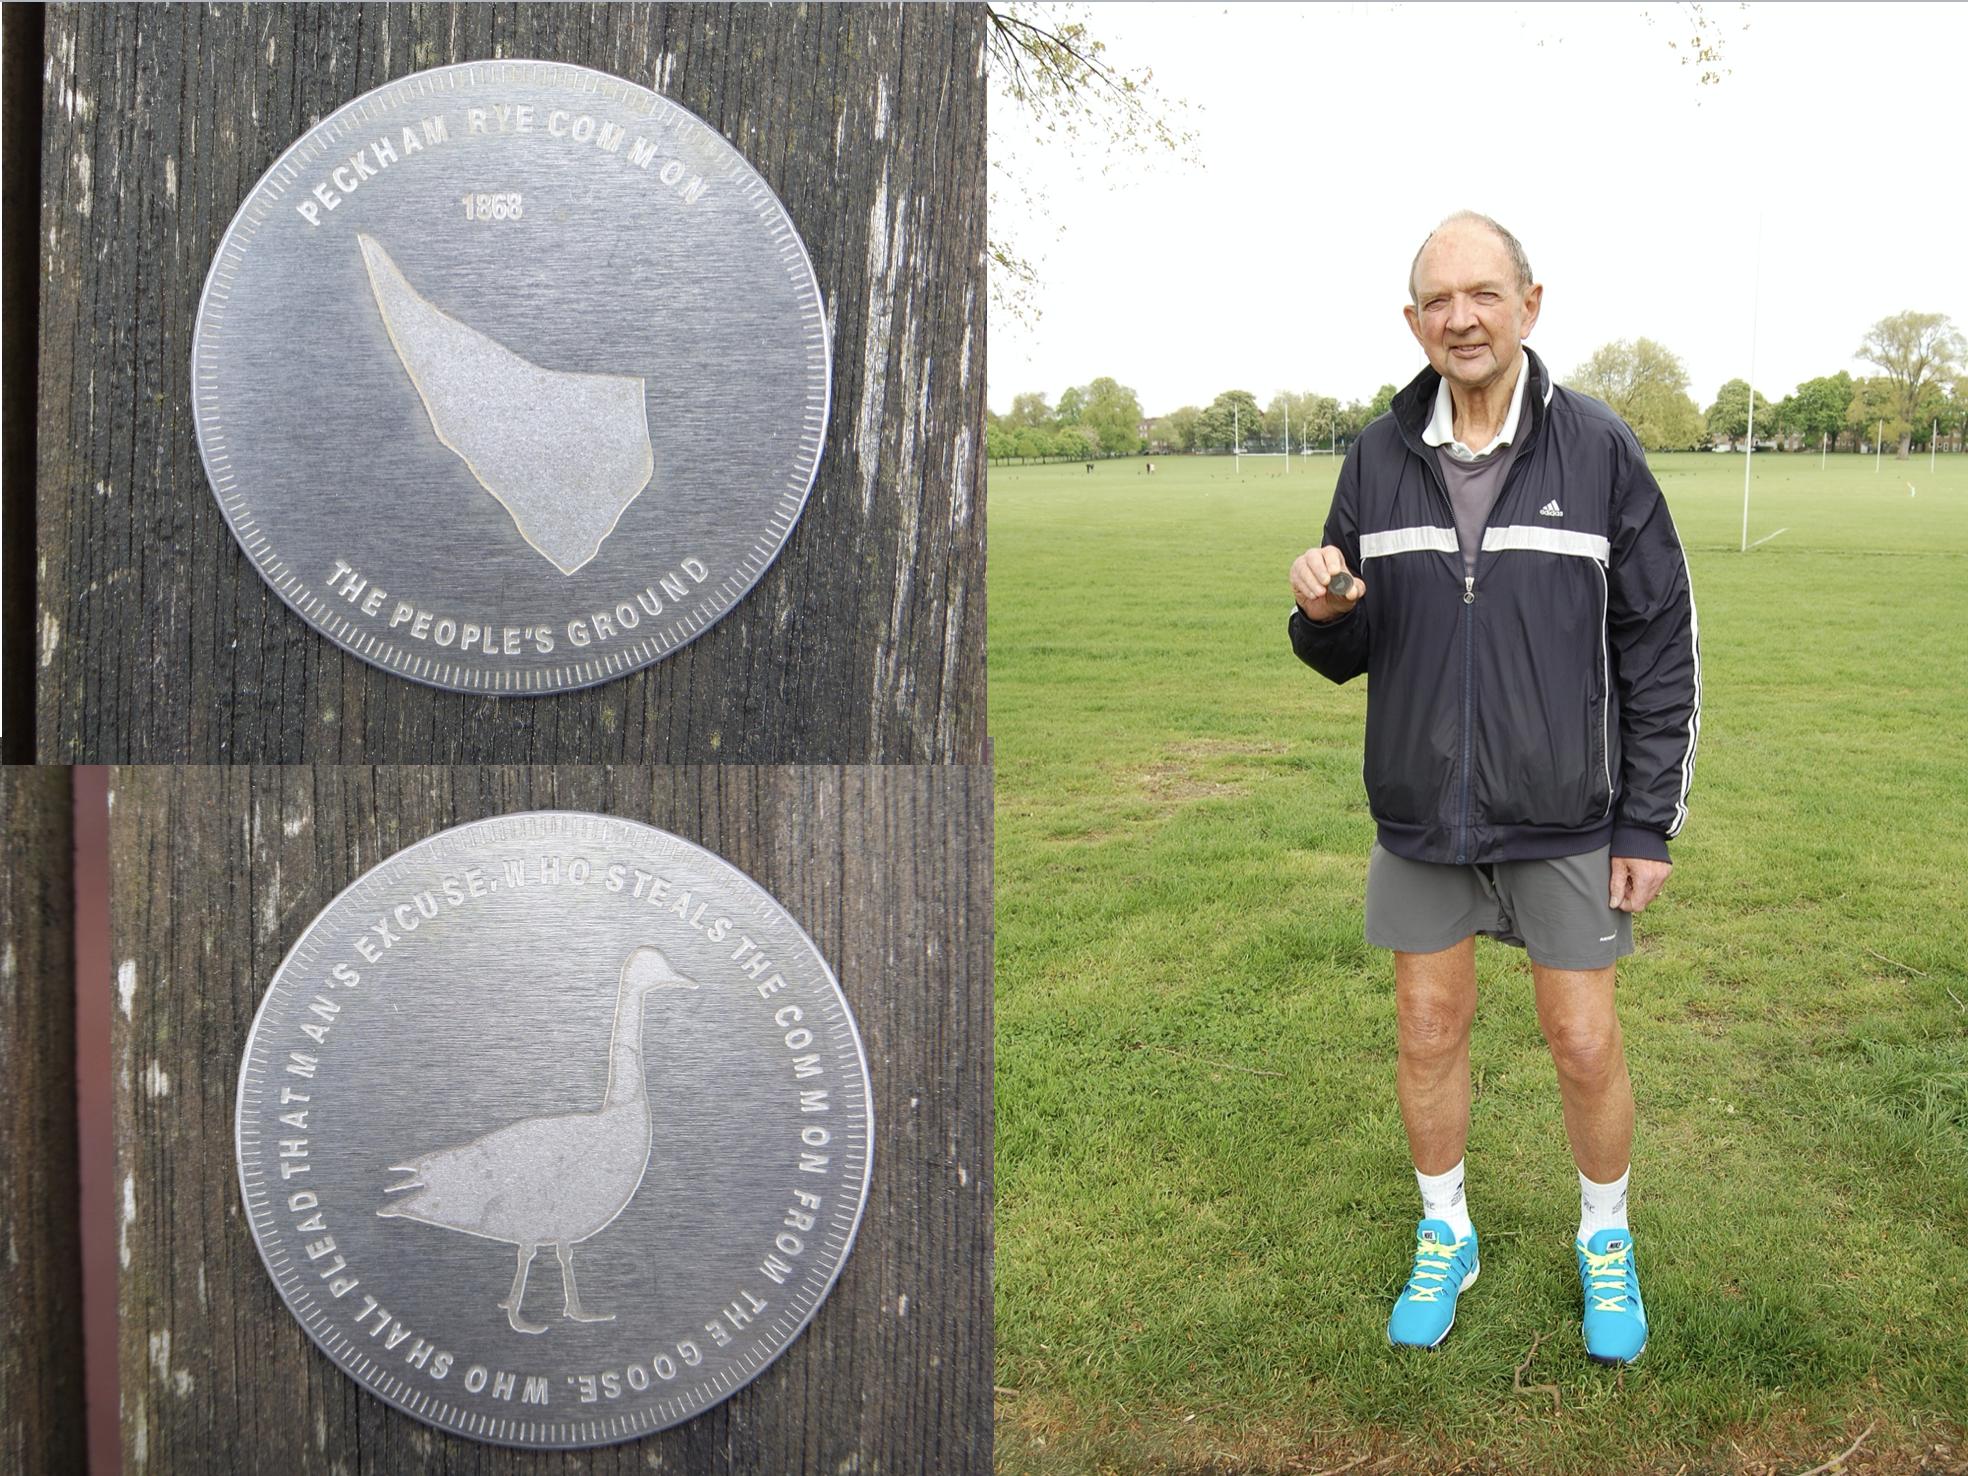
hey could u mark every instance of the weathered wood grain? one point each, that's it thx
(158, 641)
(20, 301)
(41, 1389)
(217, 871)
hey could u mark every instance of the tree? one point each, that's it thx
(1113, 413)
(1954, 409)
(1728, 417)
(1178, 427)
(1646, 384)
(1062, 92)
(1231, 415)
(1817, 409)
(1070, 405)
(1705, 47)
(1306, 417)
(1028, 410)
(1918, 351)
(1874, 412)
(1383, 401)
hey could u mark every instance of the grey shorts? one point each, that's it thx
(1555, 910)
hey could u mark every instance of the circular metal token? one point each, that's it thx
(511, 376)
(554, 1130)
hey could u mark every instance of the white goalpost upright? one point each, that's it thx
(1755, 304)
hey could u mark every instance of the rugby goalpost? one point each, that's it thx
(1306, 447)
(1237, 440)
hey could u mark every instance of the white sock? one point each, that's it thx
(1601, 1206)
(1442, 1199)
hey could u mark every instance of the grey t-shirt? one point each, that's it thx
(1473, 487)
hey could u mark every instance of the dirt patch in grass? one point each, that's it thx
(1222, 747)
(1173, 782)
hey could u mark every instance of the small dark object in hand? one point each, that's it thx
(1340, 586)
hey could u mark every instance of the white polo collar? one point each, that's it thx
(1440, 430)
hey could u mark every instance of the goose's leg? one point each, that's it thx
(574, 1312)
(511, 1303)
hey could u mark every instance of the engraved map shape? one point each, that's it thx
(564, 453)
(551, 1180)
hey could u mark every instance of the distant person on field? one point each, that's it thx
(1523, 603)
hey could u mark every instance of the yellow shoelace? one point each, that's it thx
(1606, 1273)
(1432, 1260)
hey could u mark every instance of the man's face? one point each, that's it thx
(1470, 316)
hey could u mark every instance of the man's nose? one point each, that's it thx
(1462, 313)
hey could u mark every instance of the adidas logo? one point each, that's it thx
(1551, 510)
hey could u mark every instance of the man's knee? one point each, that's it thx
(1432, 1029)
(1586, 1050)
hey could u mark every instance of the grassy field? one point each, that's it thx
(1204, 1201)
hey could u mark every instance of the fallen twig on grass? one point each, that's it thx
(1335, 1470)
(1517, 1379)
(1001, 1389)
(1957, 1000)
(1846, 1454)
(1897, 964)
(1225, 1065)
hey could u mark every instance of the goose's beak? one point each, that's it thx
(648, 969)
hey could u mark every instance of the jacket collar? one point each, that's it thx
(1415, 405)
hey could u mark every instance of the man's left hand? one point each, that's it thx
(1637, 881)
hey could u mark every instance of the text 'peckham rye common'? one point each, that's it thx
(579, 132)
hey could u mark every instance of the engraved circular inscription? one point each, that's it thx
(554, 1130)
(511, 376)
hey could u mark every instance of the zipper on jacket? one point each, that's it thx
(1510, 480)
(1468, 717)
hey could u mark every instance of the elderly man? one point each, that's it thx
(1513, 581)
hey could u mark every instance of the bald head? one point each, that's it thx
(1465, 220)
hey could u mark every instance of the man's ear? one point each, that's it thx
(1414, 323)
(1533, 303)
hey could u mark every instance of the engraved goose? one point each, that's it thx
(551, 1180)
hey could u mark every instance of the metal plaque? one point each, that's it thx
(511, 376)
(554, 1130)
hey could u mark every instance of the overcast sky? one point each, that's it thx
(1636, 191)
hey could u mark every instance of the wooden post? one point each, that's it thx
(214, 874)
(41, 1390)
(158, 642)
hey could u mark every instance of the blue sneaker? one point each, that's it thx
(1615, 1320)
(1444, 1267)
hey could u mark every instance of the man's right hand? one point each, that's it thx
(1310, 577)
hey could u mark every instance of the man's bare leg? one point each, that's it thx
(1434, 1005)
(1575, 1009)
(1576, 1012)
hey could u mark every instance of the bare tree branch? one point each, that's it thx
(1057, 90)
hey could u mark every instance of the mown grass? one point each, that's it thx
(1204, 1201)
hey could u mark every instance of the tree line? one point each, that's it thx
(1921, 390)
(1922, 387)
